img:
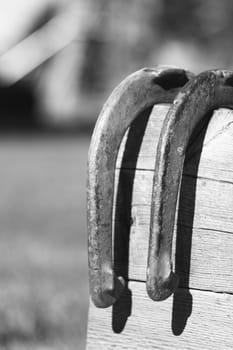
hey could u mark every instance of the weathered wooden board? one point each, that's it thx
(196, 320)
(200, 314)
(204, 240)
(205, 250)
(216, 160)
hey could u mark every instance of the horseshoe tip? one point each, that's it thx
(160, 289)
(107, 297)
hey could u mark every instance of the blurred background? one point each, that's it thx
(59, 60)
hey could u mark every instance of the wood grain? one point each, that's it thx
(204, 213)
(200, 320)
(200, 314)
(216, 159)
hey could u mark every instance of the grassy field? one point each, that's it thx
(43, 252)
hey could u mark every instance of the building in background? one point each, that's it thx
(70, 54)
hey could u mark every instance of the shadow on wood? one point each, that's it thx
(182, 303)
(122, 308)
(182, 309)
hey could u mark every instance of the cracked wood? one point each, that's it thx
(199, 317)
(188, 321)
(205, 212)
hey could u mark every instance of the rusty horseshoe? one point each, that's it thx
(209, 90)
(137, 92)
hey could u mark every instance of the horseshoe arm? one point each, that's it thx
(208, 91)
(139, 91)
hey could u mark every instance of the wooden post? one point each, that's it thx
(200, 314)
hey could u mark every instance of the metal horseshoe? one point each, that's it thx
(137, 92)
(208, 91)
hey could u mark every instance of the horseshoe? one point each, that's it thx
(137, 92)
(208, 91)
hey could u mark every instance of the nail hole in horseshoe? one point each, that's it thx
(171, 80)
(148, 70)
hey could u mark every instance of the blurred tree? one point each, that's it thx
(90, 45)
